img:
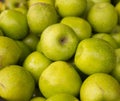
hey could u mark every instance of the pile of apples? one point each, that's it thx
(60, 50)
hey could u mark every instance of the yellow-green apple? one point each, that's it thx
(95, 55)
(71, 8)
(100, 87)
(16, 83)
(36, 63)
(59, 77)
(14, 24)
(58, 42)
(44, 14)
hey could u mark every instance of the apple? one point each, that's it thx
(44, 14)
(36, 63)
(95, 55)
(58, 42)
(14, 24)
(62, 97)
(9, 51)
(71, 8)
(16, 83)
(100, 87)
(101, 17)
(59, 77)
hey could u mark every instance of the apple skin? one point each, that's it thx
(59, 77)
(98, 22)
(9, 51)
(14, 24)
(95, 55)
(16, 83)
(62, 97)
(36, 63)
(100, 87)
(71, 8)
(58, 42)
(44, 15)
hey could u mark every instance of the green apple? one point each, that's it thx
(13, 24)
(116, 71)
(58, 42)
(38, 99)
(100, 87)
(101, 17)
(95, 55)
(16, 83)
(71, 8)
(9, 51)
(44, 14)
(79, 25)
(62, 97)
(106, 37)
(31, 40)
(36, 63)
(59, 77)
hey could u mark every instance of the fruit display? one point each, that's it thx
(60, 50)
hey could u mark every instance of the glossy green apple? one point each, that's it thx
(9, 51)
(14, 24)
(58, 42)
(36, 63)
(59, 77)
(101, 17)
(71, 8)
(95, 55)
(44, 14)
(16, 83)
(100, 87)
